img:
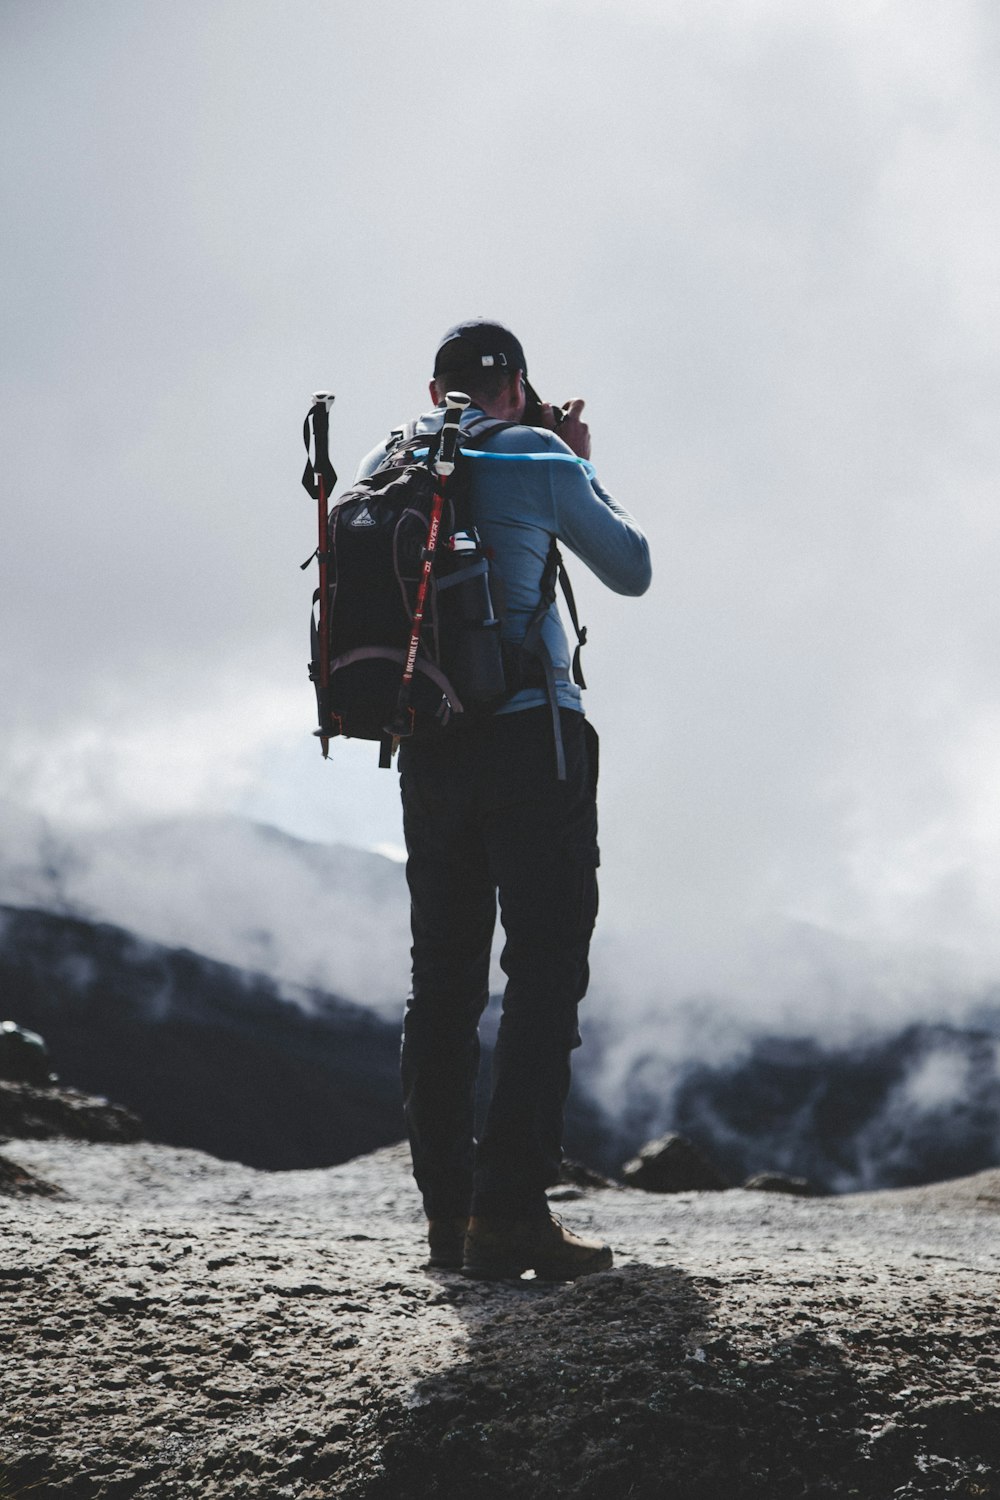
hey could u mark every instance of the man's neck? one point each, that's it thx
(506, 408)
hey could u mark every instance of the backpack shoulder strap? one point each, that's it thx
(581, 630)
(399, 435)
(534, 642)
(555, 569)
(479, 431)
(402, 440)
(474, 435)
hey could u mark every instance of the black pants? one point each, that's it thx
(483, 813)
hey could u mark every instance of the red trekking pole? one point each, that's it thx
(319, 478)
(455, 403)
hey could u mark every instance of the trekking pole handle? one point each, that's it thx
(455, 403)
(320, 476)
(318, 480)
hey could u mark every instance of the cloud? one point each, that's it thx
(760, 238)
(319, 916)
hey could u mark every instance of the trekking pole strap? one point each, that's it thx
(318, 466)
(319, 479)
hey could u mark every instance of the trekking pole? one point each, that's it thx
(455, 403)
(318, 479)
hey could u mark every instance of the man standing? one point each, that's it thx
(485, 813)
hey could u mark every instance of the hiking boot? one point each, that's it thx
(505, 1248)
(446, 1238)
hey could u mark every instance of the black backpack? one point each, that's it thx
(377, 543)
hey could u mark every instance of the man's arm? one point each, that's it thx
(599, 530)
(594, 526)
(601, 533)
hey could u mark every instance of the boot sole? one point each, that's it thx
(591, 1270)
(542, 1273)
(493, 1272)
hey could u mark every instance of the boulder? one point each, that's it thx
(780, 1182)
(577, 1174)
(672, 1164)
(17, 1182)
(41, 1114)
(24, 1057)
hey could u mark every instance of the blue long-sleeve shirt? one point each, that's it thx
(528, 487)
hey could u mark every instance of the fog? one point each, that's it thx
(761, 239)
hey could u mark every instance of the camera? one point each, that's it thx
(534, 410)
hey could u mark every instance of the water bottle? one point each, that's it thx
(470, 653)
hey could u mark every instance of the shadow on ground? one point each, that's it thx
(630, 1385)
(624, 1385)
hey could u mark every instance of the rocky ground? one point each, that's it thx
(173, 1325)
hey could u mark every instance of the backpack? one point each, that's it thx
(377, 545)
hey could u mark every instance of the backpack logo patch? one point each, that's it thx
(364, 517)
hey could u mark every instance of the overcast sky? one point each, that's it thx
(761, 237)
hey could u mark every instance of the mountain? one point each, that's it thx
(326, 917)
(223, 1059)
(915, 1104)
(206, 1054)
(245, 965)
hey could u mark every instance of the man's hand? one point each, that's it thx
(575, 433)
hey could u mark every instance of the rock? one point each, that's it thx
(575, 1174)
(671, 1164)
(780, 1182)
(24, 1057)
(16, 1181)
(42, 1114)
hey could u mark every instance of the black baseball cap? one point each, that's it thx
(477, 345)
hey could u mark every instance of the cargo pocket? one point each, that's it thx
(592, 741)
(592, 854)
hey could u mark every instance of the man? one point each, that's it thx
(486, 813)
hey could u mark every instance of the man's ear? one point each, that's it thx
(517, 396)
(436, 396)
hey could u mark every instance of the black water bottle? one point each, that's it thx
(472, 655)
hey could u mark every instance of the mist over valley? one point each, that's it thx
(241, 990)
